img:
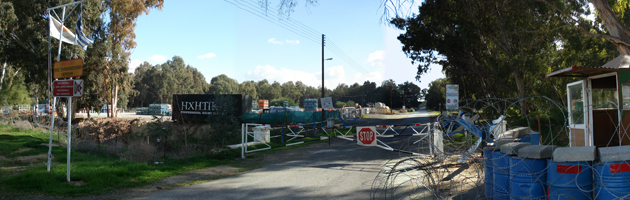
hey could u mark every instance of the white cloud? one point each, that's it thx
(274, 41)
(208, 55)
(133, 65)
(158, 59)
(376, 58)
(334, 76)
(292, 41)
(282, 75)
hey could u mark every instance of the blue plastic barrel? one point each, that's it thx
(487, 164)
(527, 139)
(570, 180)
(528, 178)
(612, 180)
(535, 138)
(501, 176)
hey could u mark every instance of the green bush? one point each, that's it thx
(280, 102)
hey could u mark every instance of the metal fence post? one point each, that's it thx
(243, 135)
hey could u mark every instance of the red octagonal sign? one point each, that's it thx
(366, 136)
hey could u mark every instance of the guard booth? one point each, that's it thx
(594, 103)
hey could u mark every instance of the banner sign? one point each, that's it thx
(199, 107)
(68, 68)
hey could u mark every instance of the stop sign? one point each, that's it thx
(366, 136)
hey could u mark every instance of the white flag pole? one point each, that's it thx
(52, 115)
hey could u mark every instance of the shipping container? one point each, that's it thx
(160, 109)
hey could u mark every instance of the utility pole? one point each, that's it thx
(323, 42)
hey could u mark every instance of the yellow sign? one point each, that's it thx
(68, 68)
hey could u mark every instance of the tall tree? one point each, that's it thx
(123, 15)
(478, 42)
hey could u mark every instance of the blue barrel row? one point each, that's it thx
(517, 178)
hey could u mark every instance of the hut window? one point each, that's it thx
(625, 92)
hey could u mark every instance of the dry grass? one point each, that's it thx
(104, 130)
(23, 125)
(138, 150)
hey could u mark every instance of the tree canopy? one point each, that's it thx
(498, 49)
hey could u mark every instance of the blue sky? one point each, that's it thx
(217, 37)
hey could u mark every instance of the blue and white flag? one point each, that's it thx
(80, 38)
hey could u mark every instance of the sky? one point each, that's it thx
(219, 37)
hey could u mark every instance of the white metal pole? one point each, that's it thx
(52, 118)
(50, 136)
(63, 17)
(69, 114)
(243, 134)
(431, 140)
(52, 121)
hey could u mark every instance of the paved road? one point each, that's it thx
(343, 170)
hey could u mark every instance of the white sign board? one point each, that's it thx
(452, 96)
(327, 103)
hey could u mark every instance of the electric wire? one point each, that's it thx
(299, 29)
(279, 24)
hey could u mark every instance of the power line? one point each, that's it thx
(313, 36)
(281, 25)
(289, 21)
(297, 28)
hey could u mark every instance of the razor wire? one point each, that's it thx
(432, 177)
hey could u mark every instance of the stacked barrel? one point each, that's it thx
(570, 173)
(263, 104)
(612, 173)
(519, 170)
(528, 172)
(310, 105)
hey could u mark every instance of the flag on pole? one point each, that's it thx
(80, 38)
(55, 29)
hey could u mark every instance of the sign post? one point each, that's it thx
(366, 135)
(452, 97)
(64, 69)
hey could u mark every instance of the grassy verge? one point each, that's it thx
(96, 173)
(91, 173)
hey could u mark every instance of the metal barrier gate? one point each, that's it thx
(428, 134)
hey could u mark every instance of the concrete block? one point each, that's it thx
(521, 131)
(515, 132)
(501, 142)
(612, 154)
(536, 151)
(574, 154)
(513, 147)
(509, 134)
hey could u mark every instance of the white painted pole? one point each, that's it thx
(431, 140)
(52, 118)
(243, 135)
(69, 114)
(50, 136)
(63, 16)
